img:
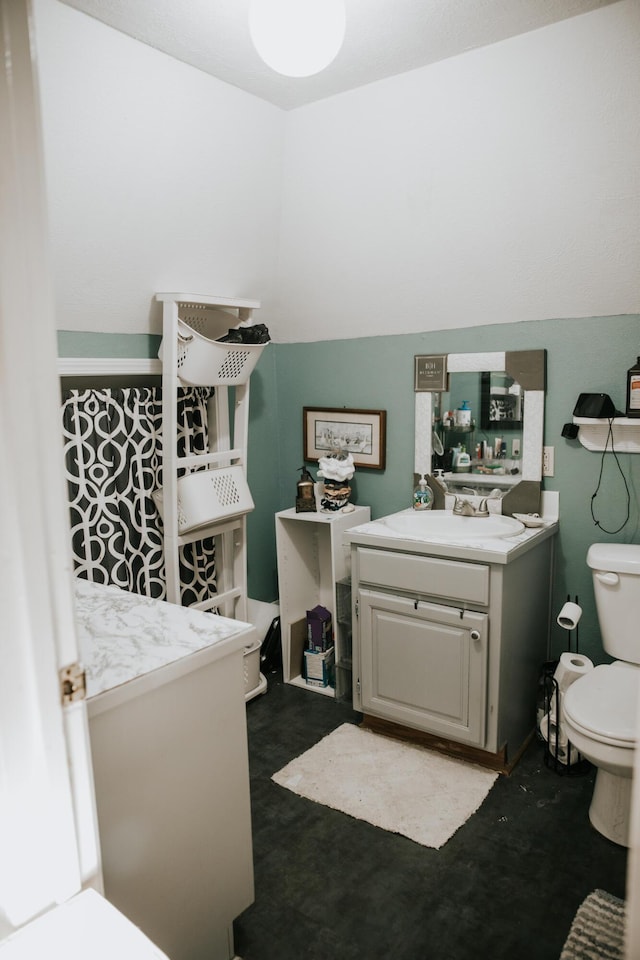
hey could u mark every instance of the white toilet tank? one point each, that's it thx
(616, 583)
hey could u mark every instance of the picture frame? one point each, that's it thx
(362, 433)
(430, 373)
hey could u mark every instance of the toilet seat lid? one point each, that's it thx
(604, 702)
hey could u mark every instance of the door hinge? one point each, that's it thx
(73, 685)
(357, 608)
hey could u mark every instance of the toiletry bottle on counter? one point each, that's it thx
(463, 463)
(422, 495)
(305, 495)
(463, 415)
(633, 390)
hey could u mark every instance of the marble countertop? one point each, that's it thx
(124, 636)
(376, 533)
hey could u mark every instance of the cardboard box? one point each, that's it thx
(319, 629)
(319, 668)
(297, 641)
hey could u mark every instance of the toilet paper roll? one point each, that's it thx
(571, 667)
(569, 616)
(552, 731)
(559, 746)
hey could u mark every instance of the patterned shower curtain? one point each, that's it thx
(113, 463)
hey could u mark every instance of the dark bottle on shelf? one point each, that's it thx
(633, 390)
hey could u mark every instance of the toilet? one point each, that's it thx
(599, 708)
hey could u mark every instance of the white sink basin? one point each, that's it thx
(442, 524)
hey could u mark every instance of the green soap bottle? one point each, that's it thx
(422, 495)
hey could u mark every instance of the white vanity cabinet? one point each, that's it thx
(448, 641)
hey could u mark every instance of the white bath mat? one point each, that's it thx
(397, 786)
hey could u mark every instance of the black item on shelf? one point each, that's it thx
(633, 390)
(254, 334)
(596, 406)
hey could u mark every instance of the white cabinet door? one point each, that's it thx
(424, 665)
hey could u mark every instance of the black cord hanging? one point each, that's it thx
(624, 480)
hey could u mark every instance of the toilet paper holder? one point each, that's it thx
(559, 754)
(569, 618)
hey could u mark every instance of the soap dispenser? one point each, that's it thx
(463, 415)
(422, 495)
(305, 494)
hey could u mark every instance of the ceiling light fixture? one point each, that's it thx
(297, 38)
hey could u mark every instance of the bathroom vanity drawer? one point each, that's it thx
(450, 579)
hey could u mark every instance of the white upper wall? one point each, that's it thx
(160, 177)
(497, 186)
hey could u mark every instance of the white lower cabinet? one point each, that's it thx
(424, 664)
(448, 648)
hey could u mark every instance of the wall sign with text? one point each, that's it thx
(431, 373)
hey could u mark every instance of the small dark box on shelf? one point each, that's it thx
(319, 629)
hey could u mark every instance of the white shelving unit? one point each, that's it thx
(594, 434)
(212, 502)
(311, 560)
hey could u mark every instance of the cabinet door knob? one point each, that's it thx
(475, 634)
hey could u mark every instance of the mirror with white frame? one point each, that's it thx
(518, 478)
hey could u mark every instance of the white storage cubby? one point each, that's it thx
(311, 560)
(212, 498)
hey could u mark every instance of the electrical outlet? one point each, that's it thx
(547, 461)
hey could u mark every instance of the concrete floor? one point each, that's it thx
(328, 887)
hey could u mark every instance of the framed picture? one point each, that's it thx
(362, 433)
(430, 373)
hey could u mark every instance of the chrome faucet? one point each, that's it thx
(464, 508)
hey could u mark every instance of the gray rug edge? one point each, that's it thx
(597, 930)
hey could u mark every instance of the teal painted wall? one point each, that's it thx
(90, 344)
(583, 355)
(263, 473)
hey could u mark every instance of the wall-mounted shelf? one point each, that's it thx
(460, 429)
(594, 434)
